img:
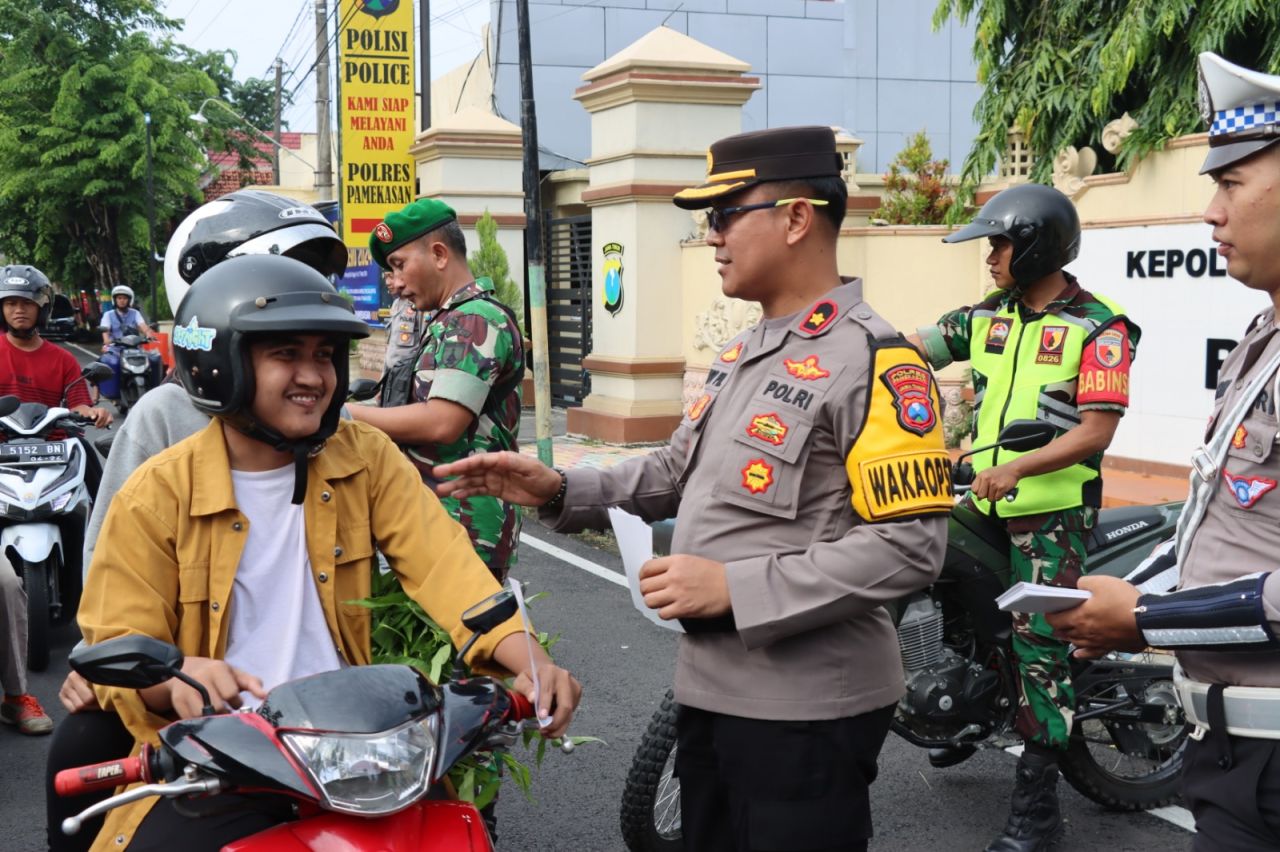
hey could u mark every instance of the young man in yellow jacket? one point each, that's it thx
(245, 544)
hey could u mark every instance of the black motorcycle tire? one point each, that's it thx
(36, 580)
(1083, 772)
(648, 779)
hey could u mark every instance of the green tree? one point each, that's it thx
(490, 261)
(916, 190)
(1061, 70)
(253, 99)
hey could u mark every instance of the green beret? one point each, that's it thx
(417, 218)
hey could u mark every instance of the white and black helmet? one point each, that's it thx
(122, 290)
(26, 282)
(249, 222)
(255, 295)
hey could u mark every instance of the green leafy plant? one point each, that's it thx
(490, 261)
(1060, 71)
(916, 188)
(403, 634)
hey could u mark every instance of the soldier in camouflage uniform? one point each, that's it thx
(465, 395)
(1042, 348)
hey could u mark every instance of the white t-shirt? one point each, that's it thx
(277, 631)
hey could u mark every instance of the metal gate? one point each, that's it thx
(568, 254)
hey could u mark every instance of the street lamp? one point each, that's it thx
(198, 116)
(151, 219)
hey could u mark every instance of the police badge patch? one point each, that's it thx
(997, 336)
(383, 232)
(1052, 339)
(1248, 489)
(1109, 347)
(910, 385)
(807, 370)
(819, 317)
(768, 428)
(757, 476)
(1239, 438)
(699, 405)
(730, 355)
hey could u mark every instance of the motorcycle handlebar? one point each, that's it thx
(961, 490)
(101, 776)
(521, 708)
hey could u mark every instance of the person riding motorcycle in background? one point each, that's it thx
(1040, 347)
(121, 320)
(247, 222)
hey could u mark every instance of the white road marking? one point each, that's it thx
(93, 355)
(1181, 817)
(576, 561)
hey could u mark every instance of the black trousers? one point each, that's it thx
(749, 785)
(80, 739)
(1232, 787)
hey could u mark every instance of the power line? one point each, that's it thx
(215, 17)
(293, 29)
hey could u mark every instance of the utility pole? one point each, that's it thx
(533, 242)
(151, 219)
(324, 163)
(275, 154)
(424, 61)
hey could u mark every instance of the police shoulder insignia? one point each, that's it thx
(1238, 439)
(757, 476)
(698, 406)
(732, 354)
(768, 428)
(1248, 490)
(1109, 347)
(807, 370)
(911, 386)
(819, 317)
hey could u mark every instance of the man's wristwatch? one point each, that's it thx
(556, 503)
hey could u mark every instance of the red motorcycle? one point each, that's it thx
(360, 751)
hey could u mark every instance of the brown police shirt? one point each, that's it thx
(758, 475)
(1240, 532)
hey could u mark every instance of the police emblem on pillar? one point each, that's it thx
(379, 8)
(612, 295)
(910, 385)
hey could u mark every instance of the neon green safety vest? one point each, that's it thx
(1023, 362)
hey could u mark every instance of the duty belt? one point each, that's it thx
(1251, 711)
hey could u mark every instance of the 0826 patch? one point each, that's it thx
(1052, 338)
(910, 385)
(1248, 490)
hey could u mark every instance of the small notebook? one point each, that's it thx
(1031, 597)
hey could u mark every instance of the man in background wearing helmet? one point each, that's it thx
(33, 371)
(1223, 619)
(462, 390)
(246, 222)
(278, 501)
(1040, 347)
(123, 319)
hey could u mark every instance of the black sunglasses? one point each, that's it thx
(718, 217)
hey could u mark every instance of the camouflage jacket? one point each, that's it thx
(470, 348)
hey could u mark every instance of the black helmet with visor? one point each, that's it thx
(1040, 221)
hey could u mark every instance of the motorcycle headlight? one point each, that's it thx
(369, 774)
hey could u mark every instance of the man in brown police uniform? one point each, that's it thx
(810, 487)
(1224, 618)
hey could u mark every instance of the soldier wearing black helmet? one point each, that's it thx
(277, 502)
(1040, 347)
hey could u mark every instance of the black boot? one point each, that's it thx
(941, 758)
(1035, 822)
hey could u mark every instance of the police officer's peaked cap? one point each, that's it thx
(740, 162)
(403, 226)
(1242, 108)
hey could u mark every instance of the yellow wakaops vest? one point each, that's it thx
(1022, 363)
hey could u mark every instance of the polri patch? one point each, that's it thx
(997, 336)
(699, 405)
(383, 232)
(757, 476)
(808, 370)
(192, 336)
(768, 428)
(1109, 347)
(820, 316)
(732, 354)
(910, 385)
(1052, 341)
(1238, 439)
(1248, 490)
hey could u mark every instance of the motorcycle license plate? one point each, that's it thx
(52, 453)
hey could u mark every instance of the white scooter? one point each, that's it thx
(44, 508)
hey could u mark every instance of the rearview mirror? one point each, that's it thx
(490, 612)
(97, 372)
(8, 405)
(1023, 436)
(132, 662)
(362, 389)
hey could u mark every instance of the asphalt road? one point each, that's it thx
(625, 665)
